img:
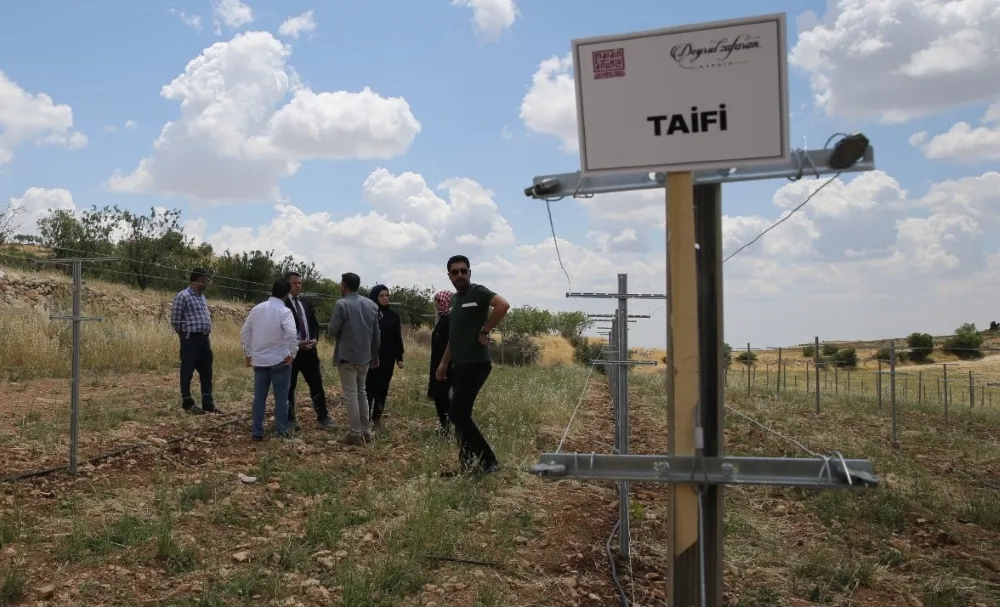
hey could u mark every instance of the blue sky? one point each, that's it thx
(465, 86)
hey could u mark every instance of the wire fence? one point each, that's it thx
(128, 385)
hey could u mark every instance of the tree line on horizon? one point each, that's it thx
(153, 253)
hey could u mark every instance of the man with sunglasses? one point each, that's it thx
(192, 321)
(468, 353)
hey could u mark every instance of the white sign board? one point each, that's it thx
(705, 96)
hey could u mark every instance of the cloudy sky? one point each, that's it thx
(383, 136)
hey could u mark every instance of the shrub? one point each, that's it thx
(829, 349)
(585, 351)
(965, 343)
(845, 357)
(885, 354)
(727, 354)
(809, 352)
(746, 358)
(518, 350)
(921, 345)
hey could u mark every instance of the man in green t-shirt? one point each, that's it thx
(468, 353)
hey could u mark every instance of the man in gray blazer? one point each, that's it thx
(354, 324)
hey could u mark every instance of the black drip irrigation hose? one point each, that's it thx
(622, 598)
(120, 451)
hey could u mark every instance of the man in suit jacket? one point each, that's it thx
(307, 359)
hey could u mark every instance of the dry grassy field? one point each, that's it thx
(171, 523)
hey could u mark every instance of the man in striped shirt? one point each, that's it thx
(192, 321)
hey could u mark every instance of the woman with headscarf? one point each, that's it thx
(440, 391)
(390, 351)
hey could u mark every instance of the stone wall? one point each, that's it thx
(53, 294)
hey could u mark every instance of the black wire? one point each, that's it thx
(622, 598)
(13, 478)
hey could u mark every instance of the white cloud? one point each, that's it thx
(33, 118)
(409, 229)
(35, 204)
(192, 21)
(235, 139)
(897, 60)
(231, 13)
(864, 259)
(962, 142)
(490, 18)
(549, 107)
(130, 125)
(293, 26)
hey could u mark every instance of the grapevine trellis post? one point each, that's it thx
(618, 364)
(623, 148)
(77, 318)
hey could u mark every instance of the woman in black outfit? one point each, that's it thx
(390, 353)
(440, 391)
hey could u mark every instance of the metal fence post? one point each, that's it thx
(816, 365)
(892, 387)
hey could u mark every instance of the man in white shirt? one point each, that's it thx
(270, 344)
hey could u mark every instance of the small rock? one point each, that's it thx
(273, 487)
(569, 582)
(46, 592)
(242, 556)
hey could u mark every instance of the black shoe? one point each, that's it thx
(256, 438)
(193, 410)
(491, 469)
(325, 423)
(212, 409)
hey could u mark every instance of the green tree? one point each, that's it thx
(845, 357)
(245, 276)
(526, 320)
(727, 354)
(149, 241)
(746, 358)
(416, 305)
(965, 343)
(571, 324)
(921, 345)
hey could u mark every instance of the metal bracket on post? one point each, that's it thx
(826, 473)
(812, 163)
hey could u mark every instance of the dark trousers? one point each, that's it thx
(442, 402)
(472, 446)
(196, 355)
(307, 362)
(377, 388)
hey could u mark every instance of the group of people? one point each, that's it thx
(279, 340)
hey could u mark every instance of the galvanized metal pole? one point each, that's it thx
(945, 389)
(708, 232)
(816, 365)
(748, 368)
(972, 390)
(892, 387)
(622, 389)
(74, 399)
(778, 383)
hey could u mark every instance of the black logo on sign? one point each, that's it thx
(715, 54)
(695, 122)
(609, 63)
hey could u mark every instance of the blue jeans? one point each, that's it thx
(279, 376)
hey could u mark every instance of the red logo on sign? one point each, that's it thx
(609, 63)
